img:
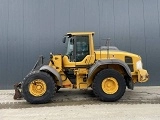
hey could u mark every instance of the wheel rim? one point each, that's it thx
(37, 87)
(110, 85)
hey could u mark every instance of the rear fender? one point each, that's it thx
(92, 70)
(53, 71)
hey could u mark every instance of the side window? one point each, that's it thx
(82, 47)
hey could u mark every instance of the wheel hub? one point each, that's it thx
(110, 85)
(37, 87)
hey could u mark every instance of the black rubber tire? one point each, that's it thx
(58, 88)
(50, 84)
(97, 85)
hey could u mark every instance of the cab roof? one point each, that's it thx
(81, 33)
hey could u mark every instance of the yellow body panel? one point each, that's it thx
(57, 62)
(88, 60)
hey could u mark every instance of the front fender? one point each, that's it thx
(53, 71)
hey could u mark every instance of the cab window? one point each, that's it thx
(82, 47)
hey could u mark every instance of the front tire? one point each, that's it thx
(58, 88)
(109, 85)
(38, 87)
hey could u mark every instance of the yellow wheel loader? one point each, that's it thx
(108, 71)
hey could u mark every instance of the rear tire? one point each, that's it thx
(109, 85)
(38, 87)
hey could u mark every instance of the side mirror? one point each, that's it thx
(64, 40)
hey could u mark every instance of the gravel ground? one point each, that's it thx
(143, 103)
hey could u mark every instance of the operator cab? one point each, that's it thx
(78, 50)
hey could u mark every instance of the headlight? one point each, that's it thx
(139, 64)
